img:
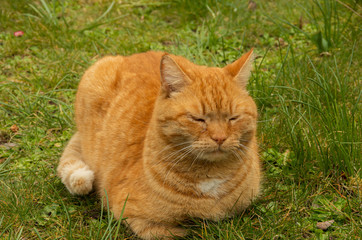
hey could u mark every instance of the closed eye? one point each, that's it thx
(234, 118)
(196, 119)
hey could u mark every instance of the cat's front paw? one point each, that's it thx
(81, 181)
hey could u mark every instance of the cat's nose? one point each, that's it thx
(219, 139)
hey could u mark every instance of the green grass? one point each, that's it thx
(306, 83)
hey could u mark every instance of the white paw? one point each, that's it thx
(81, 181)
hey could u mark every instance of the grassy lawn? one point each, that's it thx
(306, 82)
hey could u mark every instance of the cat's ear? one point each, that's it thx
(173, 79)
(241, 68)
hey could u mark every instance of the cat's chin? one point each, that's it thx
(215, 156)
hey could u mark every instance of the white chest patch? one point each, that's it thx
(211, 187)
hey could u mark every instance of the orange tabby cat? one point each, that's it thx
(175, 139)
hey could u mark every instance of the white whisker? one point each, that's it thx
(170, 146)
(193, 161)
(178, 159)
(248, 149)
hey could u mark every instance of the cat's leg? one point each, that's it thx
(73, 171)
(150, 230)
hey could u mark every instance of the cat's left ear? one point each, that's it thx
(173, 78)
(241, 68)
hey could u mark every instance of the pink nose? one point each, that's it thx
(219, 139)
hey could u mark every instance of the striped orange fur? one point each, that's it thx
(176, 139)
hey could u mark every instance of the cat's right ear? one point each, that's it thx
(173, 79)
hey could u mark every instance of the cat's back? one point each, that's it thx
(113, 76)
(117, 89)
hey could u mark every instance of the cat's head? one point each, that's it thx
(205, 111)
